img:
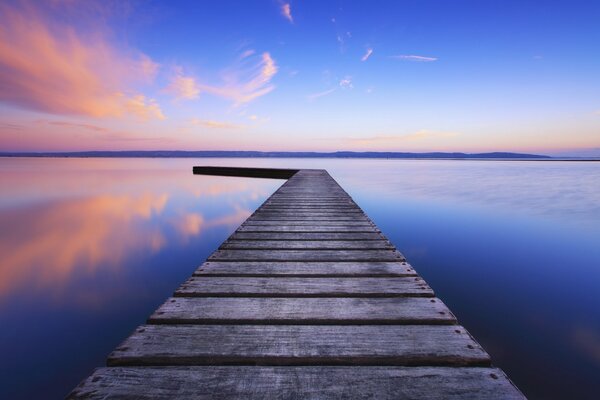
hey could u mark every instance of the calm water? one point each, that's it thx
(90, 247)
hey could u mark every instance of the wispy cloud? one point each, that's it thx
(346, 83)
(422, 134)
(207, 123)
(91, 127)
(286, 11)
(367, 55)
(101, 131)
(315, 96)
(50, 67)
(183, 87)
(414, 58)
(247, 80)
(11, 127)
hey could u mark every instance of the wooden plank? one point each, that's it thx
(299, 345)
(310, 213)
(331, 212)
(306, 255)
(310, 208)
(303, 269)
(291, 201)
(307, 228)
(303, 311)
(245, 172)
(205, 286)
(307, 219)
(323, 236)
(301, 222)
(306, 244)
(258, 383)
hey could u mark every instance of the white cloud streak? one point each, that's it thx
(415, 58)
(315, 96)
(367, 55)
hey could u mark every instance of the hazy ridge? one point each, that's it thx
(277, 154)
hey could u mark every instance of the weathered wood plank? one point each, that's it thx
(258, 383)
(306, 244)
(308, 222)
(271, 173)
(268, 210)
(323, 236)
(205, 286)
(303, 269)
(299, 345)
(303, 311)
(307, 228)
(306, 255)
(341, 208)
(346, 204)
(308, 213)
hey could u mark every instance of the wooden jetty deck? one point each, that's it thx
(307, 299)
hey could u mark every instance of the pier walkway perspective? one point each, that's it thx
(306, 299)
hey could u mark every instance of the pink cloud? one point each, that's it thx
(207, 123)
(183, 87)
(53, 68)
(367, 55)
(286, 11)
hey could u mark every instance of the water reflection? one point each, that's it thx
(90, 247)
(45, 243)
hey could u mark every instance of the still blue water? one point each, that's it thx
(90, 247)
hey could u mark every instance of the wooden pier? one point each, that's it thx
(307, 299)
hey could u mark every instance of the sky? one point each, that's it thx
(303, 75)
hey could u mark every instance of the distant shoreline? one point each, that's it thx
(276, 154)
(499, 156)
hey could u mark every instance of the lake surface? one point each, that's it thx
(90, 247)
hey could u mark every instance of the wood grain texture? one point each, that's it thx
(307, 228)
(306, 244)
(310, 222)
(322, 236)
(306, 255)
(205, 286)
(299, 345)
(258, 383)
(306, 219)
(267, 209)
(303, 311)
(304, 269)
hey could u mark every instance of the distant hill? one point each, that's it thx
(277, 154)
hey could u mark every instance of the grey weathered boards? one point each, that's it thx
(307, 299)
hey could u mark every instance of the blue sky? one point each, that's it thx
(302, 75)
